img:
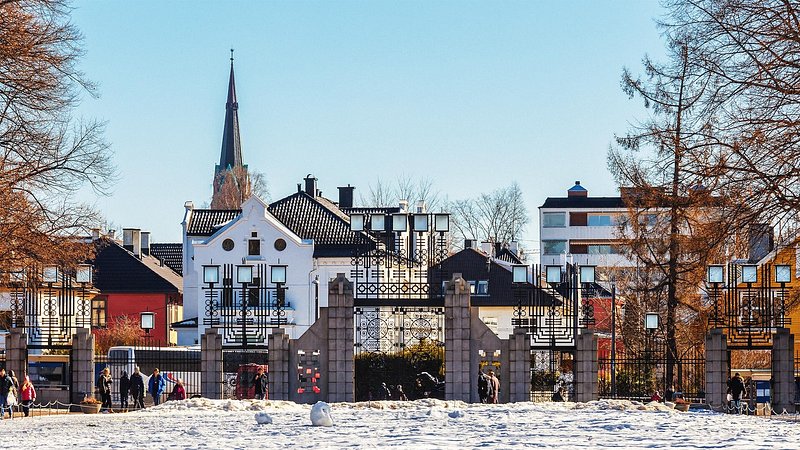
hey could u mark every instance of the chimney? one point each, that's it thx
(346, 196)
(132, 240)
(112, 234)
(146, 243)
(471, 243)
(760, 240)
(488, 248)
(95, 234)
(513, 247)
(311, 185)
(421, 207)
(577, 191)
(403, 205)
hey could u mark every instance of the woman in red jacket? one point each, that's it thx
(27, 395)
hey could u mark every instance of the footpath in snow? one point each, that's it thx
(422, 424)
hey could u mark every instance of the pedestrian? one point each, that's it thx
(104, 383)
(6, 391)
(260, 382)
(137, 388)
(28, 395)
(656, 397)
(495, 383)
(558, 395)
(156, 386)
(386, 394)
(736, 388)
(401, 395)
(124, 390)
(669, 394)
(178, 392)
(483, 387)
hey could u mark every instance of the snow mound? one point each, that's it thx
(623, 405)
(207, 404)
(263, 418)
(421, 404)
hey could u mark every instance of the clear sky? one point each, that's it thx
(473, 95)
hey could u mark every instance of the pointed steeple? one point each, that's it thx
(231, 155)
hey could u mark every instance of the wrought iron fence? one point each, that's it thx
(551, 371)
(399, 353)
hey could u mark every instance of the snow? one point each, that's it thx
(423, 424)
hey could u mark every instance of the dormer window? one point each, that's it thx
(254, 247)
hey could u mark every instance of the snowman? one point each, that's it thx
(321, 415)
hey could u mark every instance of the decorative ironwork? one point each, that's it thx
(239, 369)
(400, 266)
(245, 313)
(49, 312)
(399, 350)
(551, 370)
(554, 313)
(749, 312)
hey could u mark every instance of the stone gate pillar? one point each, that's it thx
(17, 352)
(211, 364)
(457, 340)
(586, 367)
(717, 369)
(341, 335)
(82, 366)
(783, 386)
(519, 357)
(278, 360)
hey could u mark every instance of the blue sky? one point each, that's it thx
(473, 95)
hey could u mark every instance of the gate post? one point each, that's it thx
(519, 358)
(82, 363)
(341, 337)
(717, 369)
(457, 340)
(17, 352)
(278, 360)
(783, 385)
(586, 367)
(211, 364)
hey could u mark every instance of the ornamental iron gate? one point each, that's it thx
(239, 368)
(750, 305)
(245, 313)
(551, 370)
(640, 375)
(399, 353)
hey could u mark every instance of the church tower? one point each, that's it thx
(231, 180)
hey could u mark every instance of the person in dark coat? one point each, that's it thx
(124, 390)
(736, 388)
(6, 386)
(104, 383)
(137, 388)
(558, 395)
(156, 386)
(483, 387)
(260, 382)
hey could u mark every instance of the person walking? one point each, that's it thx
(495, 383)
(6, 388)
(28, 395)
(737, 388)
(137, 388)
(156, 386)
(104, 383)
(124, 390)
(483, 387)
(260, 383)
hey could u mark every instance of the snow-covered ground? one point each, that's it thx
(423, 424)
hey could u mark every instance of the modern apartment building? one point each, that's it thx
(579, 229)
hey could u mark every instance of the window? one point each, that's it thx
(600, 249)
(648, 219)
(601, 220)
(554, 247)
(227, 245)
(480, 287)
(554, 220)
(280, 244)
(99, 310)
(254, 247)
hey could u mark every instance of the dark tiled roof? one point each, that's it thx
(583, 202)
(508, 256)
(471, 264)
(205, 222)
(319, 219)
(170, 254)
(372, 210)
(118, 270)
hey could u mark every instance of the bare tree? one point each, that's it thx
(499, 216)
(45, 155)
(406, 187)
(234, 186)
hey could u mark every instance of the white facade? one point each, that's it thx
(254, 223)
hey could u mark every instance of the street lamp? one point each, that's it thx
(399, 222)
(147, 322)
(441, 222)
(50, 274)
(277, 274)
(519, 273)
(651, 321)
(244, 274)
(783, 273)
(749, 273)
(357, 222)
(211, 274)
(553, 274)
(715, 273)
(83, 274)
(420, 223)
(587, 274)
(378, 222)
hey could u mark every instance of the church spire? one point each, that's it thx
(231, 155)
